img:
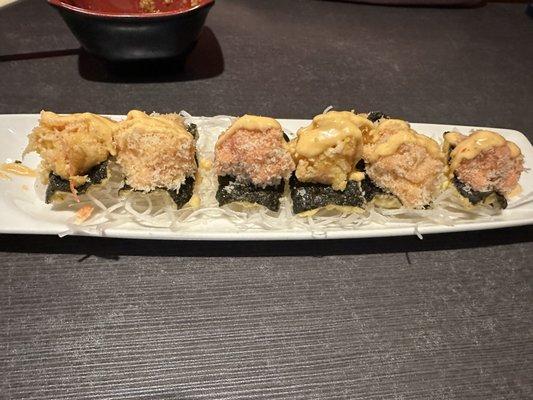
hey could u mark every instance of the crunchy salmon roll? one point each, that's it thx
(404, 164)
(484, 168)
(252, 162)
(326, 154)
(75, 150)
(157, 152)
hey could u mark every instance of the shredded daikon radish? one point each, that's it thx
(417, 232)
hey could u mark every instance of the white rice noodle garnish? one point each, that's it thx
(328, 108)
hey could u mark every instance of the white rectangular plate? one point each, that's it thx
(31, 216)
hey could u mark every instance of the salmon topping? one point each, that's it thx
(491, 170)
(256, 156)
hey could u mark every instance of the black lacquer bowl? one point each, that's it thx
(119, 30)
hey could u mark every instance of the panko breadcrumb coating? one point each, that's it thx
(409, 165)
(154, 151)
(327, 151)
(253, 150)
(70, 145)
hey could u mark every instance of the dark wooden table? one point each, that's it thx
(446, 317)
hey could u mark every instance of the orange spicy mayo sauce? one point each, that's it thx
(15, 169)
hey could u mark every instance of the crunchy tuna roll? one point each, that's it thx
(326, 154)
(75, 149)
(252, 162)
(403, 164)
(157, 153)
(484, 168)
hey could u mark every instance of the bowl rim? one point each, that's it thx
(144, 15)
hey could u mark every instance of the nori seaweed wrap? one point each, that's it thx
(376, 116)
(474, 197)
(193, 130)
(231, 190)
(308, 196)
(181, 197)
(96, 175)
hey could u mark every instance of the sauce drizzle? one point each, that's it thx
(15, 169)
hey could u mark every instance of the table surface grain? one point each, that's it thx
(446, 317)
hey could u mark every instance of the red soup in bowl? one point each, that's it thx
(120, 30)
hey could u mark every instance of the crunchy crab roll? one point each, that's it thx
(157, 153)
(484, 168)
(406, 167)
(252, 162)
(75, 150)
(326, 154)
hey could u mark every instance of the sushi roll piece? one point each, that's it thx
(483, 167)
(408, 167)
(326, 154)
(75, 150)
(252, 162)
(157, 153)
